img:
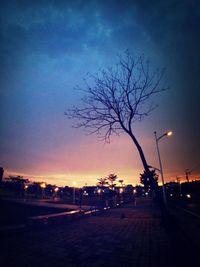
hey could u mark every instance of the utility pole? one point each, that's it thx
(179, 182)
(187, 173)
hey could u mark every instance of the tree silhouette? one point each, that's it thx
(102, 182)
(111, 179)
(149, 182)
(121, 182)
(116, 98)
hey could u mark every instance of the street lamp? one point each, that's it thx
(74, 196)
(169, 133)
(43, 186)
(56, 189)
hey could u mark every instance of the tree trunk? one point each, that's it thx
(140, 152)
(144, 162)
(146, 166)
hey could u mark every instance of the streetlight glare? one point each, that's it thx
(121, 190)
(169, 133)
(43, 185)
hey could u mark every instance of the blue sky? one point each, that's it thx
(47, 47)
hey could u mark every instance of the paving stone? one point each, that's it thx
(104, 240)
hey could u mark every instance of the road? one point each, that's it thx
(187, 217)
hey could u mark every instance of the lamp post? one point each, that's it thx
(43, 186)
(74, 193)
(169, 133)
(25, 189)
(55, 194)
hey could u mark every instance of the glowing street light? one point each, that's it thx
(99, 191)
(121, 190)
(169, 133)
(25, 189)
(55, 192)
(43, 186)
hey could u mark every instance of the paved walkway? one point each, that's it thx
(125, 237)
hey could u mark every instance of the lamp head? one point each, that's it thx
(169, 133)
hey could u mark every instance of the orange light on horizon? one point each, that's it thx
(43, 185)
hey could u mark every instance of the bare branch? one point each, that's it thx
(118, 98)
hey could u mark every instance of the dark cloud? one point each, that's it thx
(57, 28)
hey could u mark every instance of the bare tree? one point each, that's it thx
(116, 98)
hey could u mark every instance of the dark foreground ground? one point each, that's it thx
(126, 236)
(17, 213)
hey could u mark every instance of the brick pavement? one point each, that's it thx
(126, 236)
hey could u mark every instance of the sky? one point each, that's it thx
(48, 47)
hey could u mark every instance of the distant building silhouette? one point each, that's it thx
(1, 174)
